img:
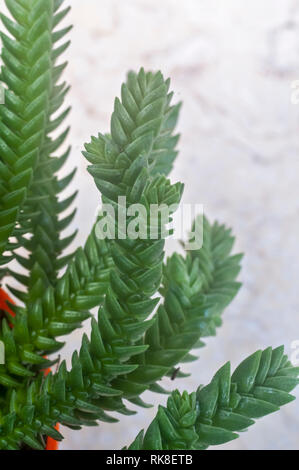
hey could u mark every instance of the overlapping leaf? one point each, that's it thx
(33, 95)
(229, 404)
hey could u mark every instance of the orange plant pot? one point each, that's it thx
(4, 298)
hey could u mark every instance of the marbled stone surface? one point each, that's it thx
(232, 63)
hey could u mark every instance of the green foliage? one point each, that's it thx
(56, 312)
(229, 404)
(133, 342)
(196, 289)
(29, 187)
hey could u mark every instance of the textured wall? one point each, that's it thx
(233, 64)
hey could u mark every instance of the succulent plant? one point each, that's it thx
(152, 312)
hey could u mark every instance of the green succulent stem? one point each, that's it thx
(214, 414)
(151, 313)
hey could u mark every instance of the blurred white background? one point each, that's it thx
(232, 63)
